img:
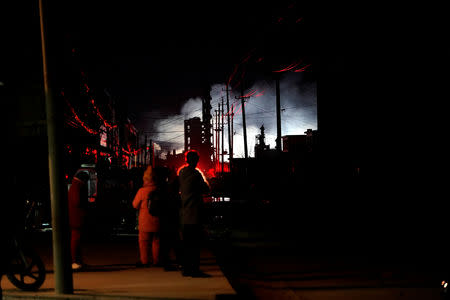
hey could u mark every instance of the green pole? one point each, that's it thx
(58, 191)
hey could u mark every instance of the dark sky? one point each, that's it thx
(166, 53)
(157, 55)
(170, 49)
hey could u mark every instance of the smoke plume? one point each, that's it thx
(298, 113)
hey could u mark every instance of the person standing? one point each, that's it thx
(192, 188)
(78, 202)
(148, 225)
(170, 220)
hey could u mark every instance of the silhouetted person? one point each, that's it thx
(170, 219)
(78, 202)
(192, 188)
(148, 225)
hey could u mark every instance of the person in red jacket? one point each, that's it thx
(78, 201)
(148, 225)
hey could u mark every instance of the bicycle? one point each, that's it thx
(26, 269)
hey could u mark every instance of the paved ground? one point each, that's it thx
(261, 261)
(111, 274)
(263, 268)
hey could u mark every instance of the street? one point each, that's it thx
(247, 261)
(111, 272)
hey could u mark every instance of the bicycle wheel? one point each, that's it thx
(28, 275)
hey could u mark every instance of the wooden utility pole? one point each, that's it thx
(243, 99)
(145, 151)
(58, 190)
(208, 149)
(218, 133)
(152, 149)
(230, 145)
(232, 134)
(278, 140)
(223, 133)
(216, 139)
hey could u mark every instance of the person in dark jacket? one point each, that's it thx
(78, 201)
(192, 188)
(169, 218)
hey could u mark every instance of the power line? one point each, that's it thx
(164, 131)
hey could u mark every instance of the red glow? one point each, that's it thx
(240, 109)
(249, 94)
(91, 131)
(101, 116)
(218, 168)
(233, 108)
(290, 67)
(302, 69)
(298, 20)
(127, 161)
(211, 173)
(260, 94)
(91, 152)
(185, 165)
(247, 58)
(179, 169)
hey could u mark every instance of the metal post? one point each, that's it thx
(145, 151)
(230, 148)
(278, 140)
(223, 133)
(232, 134)
(243, 122)
(218, 132)
(58, 190)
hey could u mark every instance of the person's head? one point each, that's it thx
(148, 175)
(192, 158)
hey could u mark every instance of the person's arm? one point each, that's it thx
(204, 186)
(137, 200)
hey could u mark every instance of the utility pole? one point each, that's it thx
(243, 99)
(58, 190)
(206, 120)
(232, 133)
(152, 149)
(216, 139)
(230, 147)
(223, 133)
(145, 151)
(218, 133)
(278, 140)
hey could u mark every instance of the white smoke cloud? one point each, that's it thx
(298, 104)
(168, 130)
(298, 100)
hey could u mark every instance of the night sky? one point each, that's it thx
(159, 57)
